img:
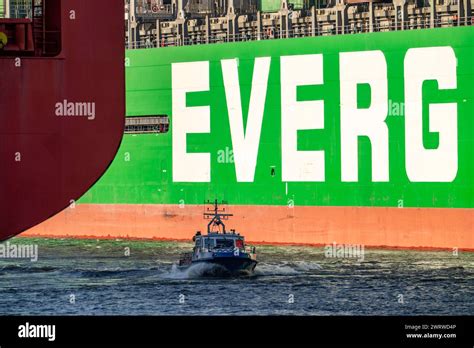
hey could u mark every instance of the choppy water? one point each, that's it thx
(95, 277)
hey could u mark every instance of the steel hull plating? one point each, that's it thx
(229, 266)
(51, 157)
(379, 195)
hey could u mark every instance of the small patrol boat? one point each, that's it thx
(225, 250)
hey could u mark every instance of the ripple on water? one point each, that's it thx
(105, 281)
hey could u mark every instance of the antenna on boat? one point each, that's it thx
(216, 215)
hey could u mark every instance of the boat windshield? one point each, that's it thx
(224, 243)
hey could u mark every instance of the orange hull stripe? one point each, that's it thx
(384, 227)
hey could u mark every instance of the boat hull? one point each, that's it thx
(228, 266)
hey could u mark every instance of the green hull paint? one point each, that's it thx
(142, 170)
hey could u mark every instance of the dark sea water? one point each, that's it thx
(90, 277)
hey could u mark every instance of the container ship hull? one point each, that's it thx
(350, 139)
(58, 102)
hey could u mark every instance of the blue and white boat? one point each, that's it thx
(225, 250)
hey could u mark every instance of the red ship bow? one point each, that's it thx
(62, 106)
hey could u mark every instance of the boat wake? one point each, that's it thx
(286, 268)
(198, 270)
(202, 270)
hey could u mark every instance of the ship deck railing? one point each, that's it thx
(328, 30)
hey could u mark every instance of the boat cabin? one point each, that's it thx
(220, 247)
(218, 241)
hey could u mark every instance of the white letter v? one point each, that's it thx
(245, 143)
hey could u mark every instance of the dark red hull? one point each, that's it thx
(48, 157)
